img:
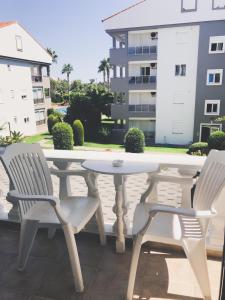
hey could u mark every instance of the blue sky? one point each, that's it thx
(73, 28)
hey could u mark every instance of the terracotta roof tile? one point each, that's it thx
(5, 24)
(123, 10)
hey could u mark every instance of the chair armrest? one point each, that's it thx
(173, 179)
(153, 209)
(63, 173)
(13, 196)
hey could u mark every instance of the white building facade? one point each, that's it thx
(24, 81)
(158, 76)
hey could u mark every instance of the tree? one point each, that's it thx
(104, 68)
(67, 69)
(88, 105)
(59, 90)
(53, 55)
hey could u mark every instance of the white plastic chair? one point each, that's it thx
(182, 226)
(31, 179)
(184, 177)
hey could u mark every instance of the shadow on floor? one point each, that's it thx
(48, 274)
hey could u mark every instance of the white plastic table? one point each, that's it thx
(119, 174)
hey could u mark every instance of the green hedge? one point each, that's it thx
(62, 136)
(198, 148)
(78, 133)
(134, 141)
(217, 140)
(104, 135)
(52, 120)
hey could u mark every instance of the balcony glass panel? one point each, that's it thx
(153, 50)
(131, 51)
(131, 107)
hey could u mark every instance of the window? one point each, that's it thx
(212, 107)
(38, 95)
(19, 43)
(26, 120)
(188, 5)
(145, 71)
(47, 93)
(214, 77)
(177, 127)
(40, 116)
(180, 70)
(12, 94)
(216, 44)
(218, 4)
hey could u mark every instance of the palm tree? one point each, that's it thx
(53, 55)
(105, 67)
(67, 68)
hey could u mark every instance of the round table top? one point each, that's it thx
(127, 168)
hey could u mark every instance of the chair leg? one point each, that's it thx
(195, 251)
(27, 235)
(133, 267)
(74, 257)
(100, 223)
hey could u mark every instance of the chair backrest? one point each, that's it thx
(28, 172)
(211, 181)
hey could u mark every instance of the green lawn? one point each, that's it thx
(36, 138)
(46, 139)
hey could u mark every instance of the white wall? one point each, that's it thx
(32, 50)
(176, 95)
(136, 98)
(14, 84)
(163, 12)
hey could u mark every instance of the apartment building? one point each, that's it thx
(168, 60)
(24, 81)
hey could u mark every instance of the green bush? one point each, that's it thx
(134, 141)
(217, 140)
(50, 111)
(62, 134)
(15, 137)
(198, 149)
(52, 120)
(78, 133)
(104, 135)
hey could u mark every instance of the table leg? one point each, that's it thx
(64, 181)
(120, 211)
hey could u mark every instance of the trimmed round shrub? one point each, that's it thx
(217, 140)
(62, 134)
(52, 120)
(78, 133)
(134, 141)
(104, 135)
(198, 149)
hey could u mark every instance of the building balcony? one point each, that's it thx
(142, 53)
(41, 122)
(163, 272)
(142, 110)
(142, 82)
(119, 111)
(36, 78)
(39, 101)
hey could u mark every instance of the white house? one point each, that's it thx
(24, 81)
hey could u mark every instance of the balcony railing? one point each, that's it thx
(36, 78)
(142, 50)
(39, 101)
(40, 122)
(142, 79)
(142, 108)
